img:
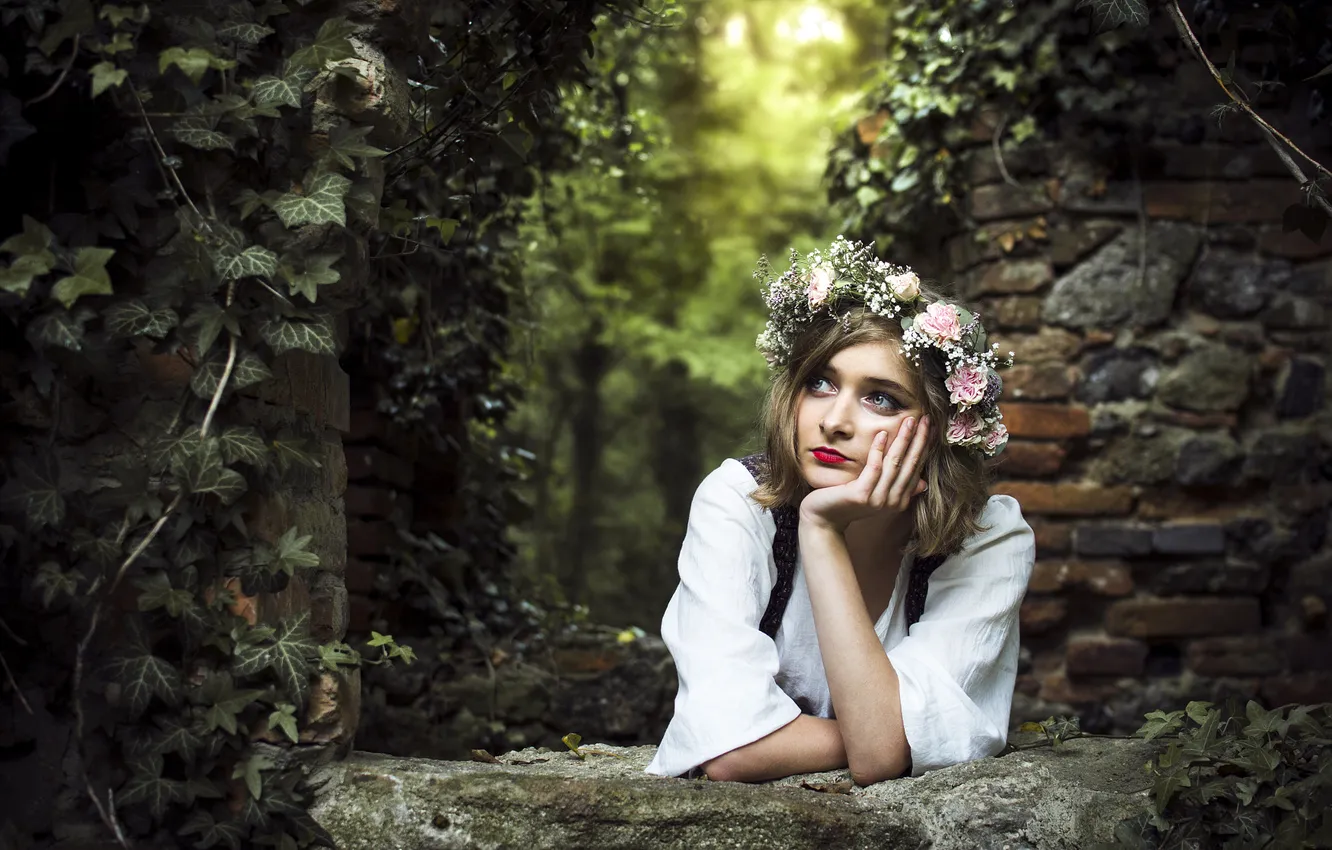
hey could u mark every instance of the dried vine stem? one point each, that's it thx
(13, 684)
(1271, 133)
(73, 54)
(999, 154)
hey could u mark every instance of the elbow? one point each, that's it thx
(869, 771)
(725, 768)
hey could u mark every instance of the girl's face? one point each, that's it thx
(863, 390)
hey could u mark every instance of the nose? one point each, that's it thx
(837, 418)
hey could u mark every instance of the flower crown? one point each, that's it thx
(946, 339)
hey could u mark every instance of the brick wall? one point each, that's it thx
(1170, 424)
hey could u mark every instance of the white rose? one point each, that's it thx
(905, 286)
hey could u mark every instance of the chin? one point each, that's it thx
(818, 476)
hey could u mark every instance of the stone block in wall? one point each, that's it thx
(1026, 459)
(1111, 540)
(1039, 381)
(1104, 656)
(1286, 453)
(1070, 244)
(1300, 388)
(1083, 194)
(1234, 284)
(1207, 460)
(967, 249)
(1052, 538)
(313, 384)
(1303, 688)
(1255, 655)
(1060, 687)
(1182, 617)
(1209, 576)
(371, 538)
(1029, 160)
(1307, 652)
(1216, 202)
(1261, 541)
(1224, 161)
(1114, 287)
(366, 500)
(1011, 277)
(1294, 312)
(1294, 245)
(1039, 615)
(360, 576)
(369, 463)
(1013, 312)
(1117, 374)
(1105, 578)
(1053, 345)
(1212, 377)
(1312, 575)
(1139, 458)
(329, 611)
(1067, 499)
(1046, 421)
(1189, 538)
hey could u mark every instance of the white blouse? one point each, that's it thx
(956, 667)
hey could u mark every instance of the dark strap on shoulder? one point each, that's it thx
(784, 549)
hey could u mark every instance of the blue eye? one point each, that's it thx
(883, 401)
(813, 383)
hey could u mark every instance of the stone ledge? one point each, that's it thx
(542, 799)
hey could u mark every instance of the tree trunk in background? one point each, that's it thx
(591, 363)
(675, 452)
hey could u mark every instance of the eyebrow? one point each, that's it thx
(886, 383)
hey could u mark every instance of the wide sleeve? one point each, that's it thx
(728, 694)
(957, 666)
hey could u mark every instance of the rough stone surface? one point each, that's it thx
(542, 799)
(1118, 374)
(1207, 460)
(1106, 289)
(1231, 284)
(1300, 388)
(1212, 377)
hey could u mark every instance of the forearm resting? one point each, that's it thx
(805, 745)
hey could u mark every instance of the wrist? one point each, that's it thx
(810, 521)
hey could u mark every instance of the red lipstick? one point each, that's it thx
(823, 454)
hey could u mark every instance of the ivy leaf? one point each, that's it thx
(330, 45)
(200, 131)
(318, 272)
(209, 318)
(158, 593)
(213, 832)
(53, 581)
(89, 278)
(291, 552)
(337, 654)
(247, 371)
(284, 335)
(285, 717)
(133, 318)
(194, 62)
(14, 128)
(322, 202)
(18, 277)
(35, 240)
(286, 90)
(288, 654)
(254, 261)
(294, 451)
(224, 702)
(1197, 710)
(143, 676)
(446, 227)
(243, 443)
(1160, 723)
(1112, 13)
(103, 551)
(249, 200)
(345, 143)
(37, 489)
(177, 735)
(245, 32)
(60, 329)
(252, 770)
(204, 472)
(147, 785)
(105, 75)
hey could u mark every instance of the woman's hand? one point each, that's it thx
(886, 484)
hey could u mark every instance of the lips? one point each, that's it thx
(824, 454)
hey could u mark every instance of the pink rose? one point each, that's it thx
(905, 286)
(941, 322)
(967, 384)
(995, 439)
(964, 428)
(820, 284)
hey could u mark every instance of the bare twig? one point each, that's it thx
(108, 812)
(18, 640)
(73, 54)
(13, 684)
(999, 154)
(165, 164)
(1271, 133)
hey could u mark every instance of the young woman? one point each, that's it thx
(850, 597)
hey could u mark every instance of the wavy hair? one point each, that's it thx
(947, 513)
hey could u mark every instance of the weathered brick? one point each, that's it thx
(1209, 577)
(1314, 575)
(1039, 615)
(1027, 459)
(869, 127)
(1046, 420)
(967, 249)
(1015, 311)
(1113, 540)
(328, 608)
(1105, 656)
(364, 500)
(1182, 617)
(1001, 200)
(1068, 246)
(1048, 344)
(370, 463)
(1059, 687)
(1039, 381)
(367, 426)
(1303, 688)
(1026, 161)
(1052, 538)
(371, 538)
(1190, 538)
(313, 384)
(1305, 652)
(1234, 656)
(1294, 245)
(1106, 578)
(1039, 497)
(360, 576)
(1009, 277)
(1219, 202)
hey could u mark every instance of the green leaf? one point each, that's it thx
(209, 318)
(285, 717)
(225, 703)
(254, 261)
(133, 318)
(1113, 13)
(200, 131)
(178, 735)
(249, 200)
(147, 785)
(314, 336)
(213, 832)
(294, 451)
(322, 202)
(158, 593)
(35, 240)
(282, 91)
(288, 655)
(1159, 723)
(53, 582)
(1261, 722)
(247, 371)
(1197, 710)
(345, 143)
(194, 62)
(38, 491)
(204, 472)
(376, 639)
(143, 676)
(242, 443)
(60, 329)
(105, 75)
(331, 44)
(20, 273)
(337, 654)
(245, 32)
(252, 771)
(445, 226)
(291, 552)
(318, 272)
(118, 15)
(89, 278)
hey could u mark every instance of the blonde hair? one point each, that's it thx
(947, 513)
